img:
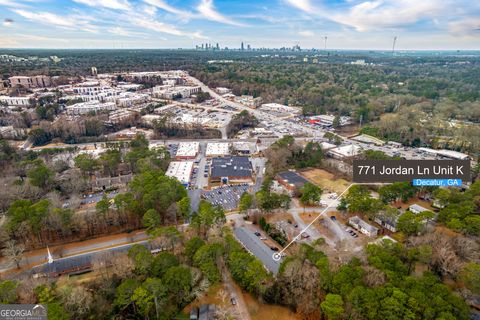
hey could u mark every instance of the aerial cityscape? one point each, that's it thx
(206, 160)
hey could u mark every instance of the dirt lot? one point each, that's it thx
(425, 204)
(272, 218)
(326, 180)
(210, 297)
(260, 311)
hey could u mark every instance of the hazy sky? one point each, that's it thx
(348, 24)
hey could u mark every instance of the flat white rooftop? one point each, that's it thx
(181, 170)
(217, 149)
(187, 149)
(346, 151)
(446, 153)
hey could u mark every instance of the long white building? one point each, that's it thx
(91, 106)
(182, 170)
(17, 101)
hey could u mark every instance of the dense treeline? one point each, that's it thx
(44, 194)
(286, 153)
(385, 286)
(147, 286)
(166, 127)
(241, 121)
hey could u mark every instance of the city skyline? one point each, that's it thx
(350, 24)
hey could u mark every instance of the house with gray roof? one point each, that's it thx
(363, 226)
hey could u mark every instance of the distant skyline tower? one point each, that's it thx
(248, 47)
(325, 44)
(242, 46)
(394, 43)
(94, 71)
(218, 46)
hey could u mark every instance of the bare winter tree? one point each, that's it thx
(374, 277)
(13, 252)
(77, 300)
(25, 290)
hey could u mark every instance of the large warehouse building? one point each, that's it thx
(231, 170)
(182, 170)
(187, 150)
(217, 149)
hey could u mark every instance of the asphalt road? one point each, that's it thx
(39, 256)
(82, 259)
(256, 246)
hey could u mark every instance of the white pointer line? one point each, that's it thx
(278, 255)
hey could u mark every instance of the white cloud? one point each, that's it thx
(307, 33)
(110, 4)
(161, 4)
(120, 31)
(198, 35)
(157, 26)
(150, 10)
(161, 27)
(381, 14)
(207, 9)
(69, 22)
(469, 26)
(304, 5)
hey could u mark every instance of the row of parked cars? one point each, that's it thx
(351, 232)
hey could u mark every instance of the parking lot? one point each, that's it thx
(96, 197)
(227, 196)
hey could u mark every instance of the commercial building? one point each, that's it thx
(221, 90)
(17, 101)
(234, 169)
(326, 120)
(182, 170)
(280, 108)
(249, 101)
(362, 226)
(416, 209)
(387, 221)
(343, 152)
(394, 144)
(187, 150)
(121, 115)
(290, 180)
(243, 148)
(128, 99)
(217, 149)
(169, 92)
(446, 153)
(40, 81)
(327, 146)
(365, 138)
(90, 107)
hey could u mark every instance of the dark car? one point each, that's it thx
(333, 218)
(257, 234)
(274, 248)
